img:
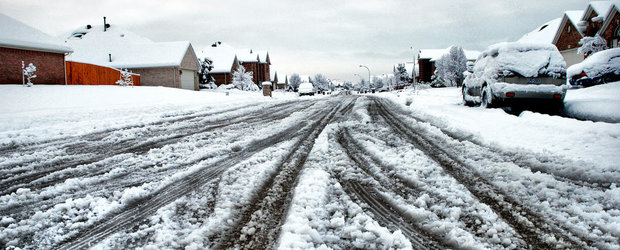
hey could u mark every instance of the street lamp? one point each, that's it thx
(413, 74)
(368, 73)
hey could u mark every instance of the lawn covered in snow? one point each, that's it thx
(49, 111)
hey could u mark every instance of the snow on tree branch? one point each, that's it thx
(29, 73)
(243, 80)
(591, 45)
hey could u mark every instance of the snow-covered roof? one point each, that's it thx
(247, 55)
(282, 79)
(542, 34)
(601, 8)
(430, 53)
(128, 50)
(223, 57)
(17, 35)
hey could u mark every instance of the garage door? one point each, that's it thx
(187, 79)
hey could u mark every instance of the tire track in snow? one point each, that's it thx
(534, 229)
(144, 207)
(260, 223)
(533, 162)
(378, 205)
(387, 177)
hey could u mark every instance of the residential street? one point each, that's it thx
(346, 171)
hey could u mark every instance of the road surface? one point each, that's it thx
(340, 172)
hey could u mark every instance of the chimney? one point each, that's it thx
(105, 26)
(110, 57)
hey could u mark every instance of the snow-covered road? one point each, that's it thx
(339, 172)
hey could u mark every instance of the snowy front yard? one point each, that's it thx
(158, 168)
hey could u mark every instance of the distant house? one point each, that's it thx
(250, 61)
(264, 63)
(280, 82)
(168, 64)
(22, 43)
(427, 58)
(225, 62)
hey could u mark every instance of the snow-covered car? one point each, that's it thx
(598, 68)
(305, 88)
(511, 74)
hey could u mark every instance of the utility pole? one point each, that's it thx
(413, 74)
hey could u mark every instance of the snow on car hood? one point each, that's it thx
(528, 60)
(598, 64)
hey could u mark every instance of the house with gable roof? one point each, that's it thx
(22, 43)
(225, 62)
(568, 35)
(281, 82)
(168, 64)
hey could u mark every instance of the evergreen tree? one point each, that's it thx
(401, 76)
(204, 77)
(243, 80)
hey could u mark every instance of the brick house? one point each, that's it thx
(225, 62)
(568, 35)
(168, 64)
(20, 42)
(611, 27)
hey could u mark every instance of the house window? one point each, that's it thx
(617, 33)
(568, 29)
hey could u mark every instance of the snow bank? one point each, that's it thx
(597, 103)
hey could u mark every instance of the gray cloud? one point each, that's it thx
(308, 37)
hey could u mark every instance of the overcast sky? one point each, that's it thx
(307, 37)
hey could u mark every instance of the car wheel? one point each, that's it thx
(465, 101)
(486, 101)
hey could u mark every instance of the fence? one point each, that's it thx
(89, 74)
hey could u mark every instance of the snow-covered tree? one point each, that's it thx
(29, 73)
(204, 77)
(591, 45)
(348, 85)
(243, 80)
(377, 83)
(126, 78)
(320, 82)
(294, 82)
(401, 76)
(450, 68)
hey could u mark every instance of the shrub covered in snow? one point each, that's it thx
(126, 78)
(29, 73)
(591, 45)
(243, 80)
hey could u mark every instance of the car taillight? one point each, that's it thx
(510, 94)
(582, 74)
(557, 96)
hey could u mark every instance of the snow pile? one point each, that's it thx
(15, 34)
(598, 64)
(528, 60)
(597, 103)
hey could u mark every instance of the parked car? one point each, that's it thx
(598, 68)
(517, 74)
(305, 88)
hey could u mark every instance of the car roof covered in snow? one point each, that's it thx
(17, 35)
(597, 64)
(126, 49)
(526, 59)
